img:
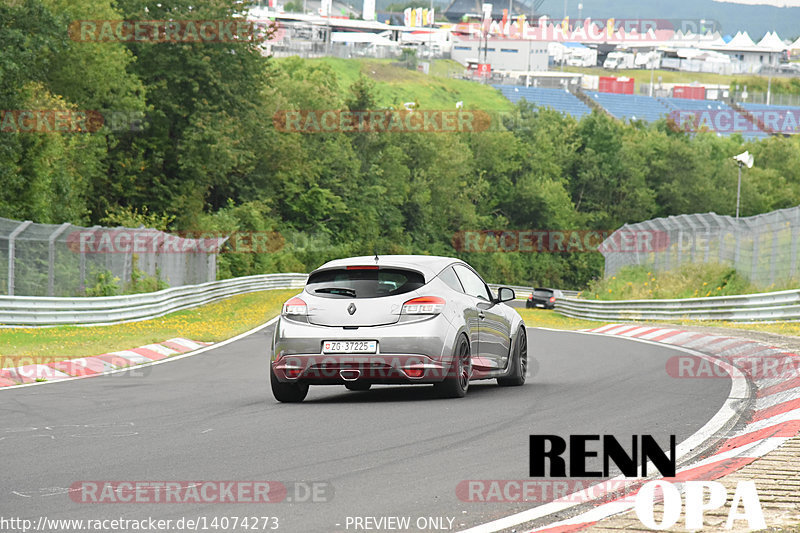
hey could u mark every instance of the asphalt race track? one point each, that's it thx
(391, 451)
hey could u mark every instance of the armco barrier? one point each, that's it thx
(48, 311)
(768, 306)
(16, 311)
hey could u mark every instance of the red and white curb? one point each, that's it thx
(98, 364)
(775, 418)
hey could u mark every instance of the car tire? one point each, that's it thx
(456, 382)
(519, 362)
(287, 392)
(358, 386)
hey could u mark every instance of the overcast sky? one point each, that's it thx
(777, 3)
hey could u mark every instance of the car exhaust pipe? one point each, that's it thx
(349, 375)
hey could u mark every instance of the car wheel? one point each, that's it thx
(358, 386)
(456, 382)
(519, 362)
(287, 392)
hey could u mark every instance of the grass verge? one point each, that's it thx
(209, 323)
(395, 85)
(690, 281)
(541, 318)
(754, 83)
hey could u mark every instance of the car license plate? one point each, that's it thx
(349, 346)
(539, 305)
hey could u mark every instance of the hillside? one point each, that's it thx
(395, 85)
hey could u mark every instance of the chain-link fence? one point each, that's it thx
(763, 248)
(65, 260)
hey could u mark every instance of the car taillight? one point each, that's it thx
(424, 305)
(295, 306)
(552, 299)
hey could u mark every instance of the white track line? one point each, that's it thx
(152, 363)
(725, 418)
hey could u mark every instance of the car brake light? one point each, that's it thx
(295, 306)
(414, 372)
(365, 267)
(424, 305)
(552, 299)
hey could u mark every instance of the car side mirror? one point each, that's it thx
(504, 294)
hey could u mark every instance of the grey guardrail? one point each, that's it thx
(48, 311)
(768, 306)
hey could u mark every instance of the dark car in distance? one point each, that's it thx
(543, 298)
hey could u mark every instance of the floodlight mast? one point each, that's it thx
(745, 158)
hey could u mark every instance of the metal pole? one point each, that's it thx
(769, 87)
(739, 190)
(430, 37)
(563, 59)
(11, 252)
(51, 257)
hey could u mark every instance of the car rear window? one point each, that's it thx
(357, 282)
(542, 293)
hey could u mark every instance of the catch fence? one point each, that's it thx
(65, 260)
(763, 248)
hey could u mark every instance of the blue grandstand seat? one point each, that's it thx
(779, 118)
(558, 99)
(627, 106)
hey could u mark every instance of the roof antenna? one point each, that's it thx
(376, 257)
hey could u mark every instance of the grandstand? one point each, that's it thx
(559, 99)
(639, 107)
(778, 118)
(631, 107)
(683, 104)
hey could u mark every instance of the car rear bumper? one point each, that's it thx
(413, 352)
(338, 369)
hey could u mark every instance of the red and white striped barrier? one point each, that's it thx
(775, 418)
(96, 365)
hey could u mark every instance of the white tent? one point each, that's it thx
(772, 42)
(740, 41)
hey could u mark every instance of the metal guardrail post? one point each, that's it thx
(51, 257)
(11, 253)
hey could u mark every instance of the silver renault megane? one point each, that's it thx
(396, 319)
